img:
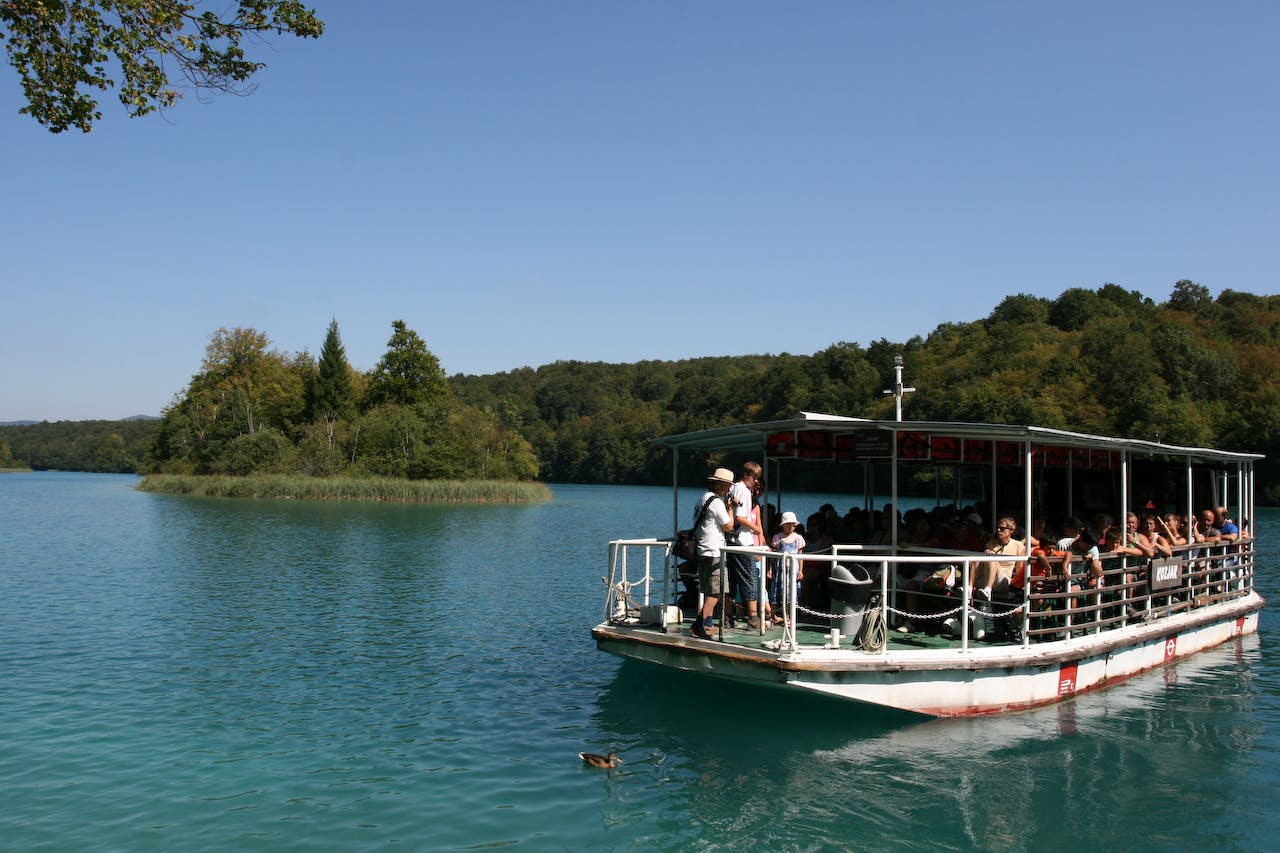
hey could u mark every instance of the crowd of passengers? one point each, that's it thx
(1070, 553)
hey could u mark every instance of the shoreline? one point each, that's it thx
(380, 489)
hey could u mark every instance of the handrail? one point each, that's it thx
(1056, 605)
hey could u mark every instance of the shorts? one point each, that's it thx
(710, 576)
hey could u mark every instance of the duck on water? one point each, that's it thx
(604, 762)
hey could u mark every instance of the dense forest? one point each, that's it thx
(254, 410)
(108, 447)
(1194, 370)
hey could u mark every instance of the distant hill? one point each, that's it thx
(102, 446)
(33, 423)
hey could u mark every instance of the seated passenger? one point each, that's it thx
(918, 530)
(1040, 535)
(1135, 538)
(1227, 529)
(1204, 530)
(835, 523)
(883, 536)
(964, 534)
(816, 535)
(1050, 570)
(1084, 563)
(850, 520)
(1072, 527)
(1148, 527)
(992, 579)
(1171, 527)
(994, 575)
(813, 592)
(1131, 551)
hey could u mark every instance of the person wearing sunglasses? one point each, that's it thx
(992, 580)
(993, 577)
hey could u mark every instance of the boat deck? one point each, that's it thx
(819, 636)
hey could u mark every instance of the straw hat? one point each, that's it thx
(722, 475)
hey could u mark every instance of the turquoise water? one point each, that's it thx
(180, 674)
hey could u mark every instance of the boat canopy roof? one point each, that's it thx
(751, 438)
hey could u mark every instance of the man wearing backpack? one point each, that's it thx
(712, 519)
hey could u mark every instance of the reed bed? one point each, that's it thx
(348, 488)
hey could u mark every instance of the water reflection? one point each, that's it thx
(1112, 764)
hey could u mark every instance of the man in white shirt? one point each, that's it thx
(711, 521)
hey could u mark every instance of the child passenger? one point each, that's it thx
(785, 541)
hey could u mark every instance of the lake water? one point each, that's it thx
(192, 674)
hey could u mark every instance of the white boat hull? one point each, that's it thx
(950, 682)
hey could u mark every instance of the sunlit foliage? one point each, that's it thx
(1194, 370)
(66, 51)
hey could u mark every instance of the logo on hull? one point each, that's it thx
(1067, 679)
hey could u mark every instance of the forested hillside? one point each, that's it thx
(107, 447)
(1194, 370)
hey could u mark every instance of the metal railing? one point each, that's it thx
(644, 580)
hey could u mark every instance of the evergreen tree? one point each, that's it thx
(331, 394)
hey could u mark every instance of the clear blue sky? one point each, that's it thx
(607, 181)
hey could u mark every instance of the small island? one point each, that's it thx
(256, 422)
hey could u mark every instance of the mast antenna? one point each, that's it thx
(898, 388)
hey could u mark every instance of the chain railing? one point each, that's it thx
(645, 577)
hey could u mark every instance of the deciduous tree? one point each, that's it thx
(407, 374)
(64, 50)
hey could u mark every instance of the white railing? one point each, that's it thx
(643, 585)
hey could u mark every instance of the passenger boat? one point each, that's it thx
(1062, 633)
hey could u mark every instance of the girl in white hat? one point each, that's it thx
(785, 541)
